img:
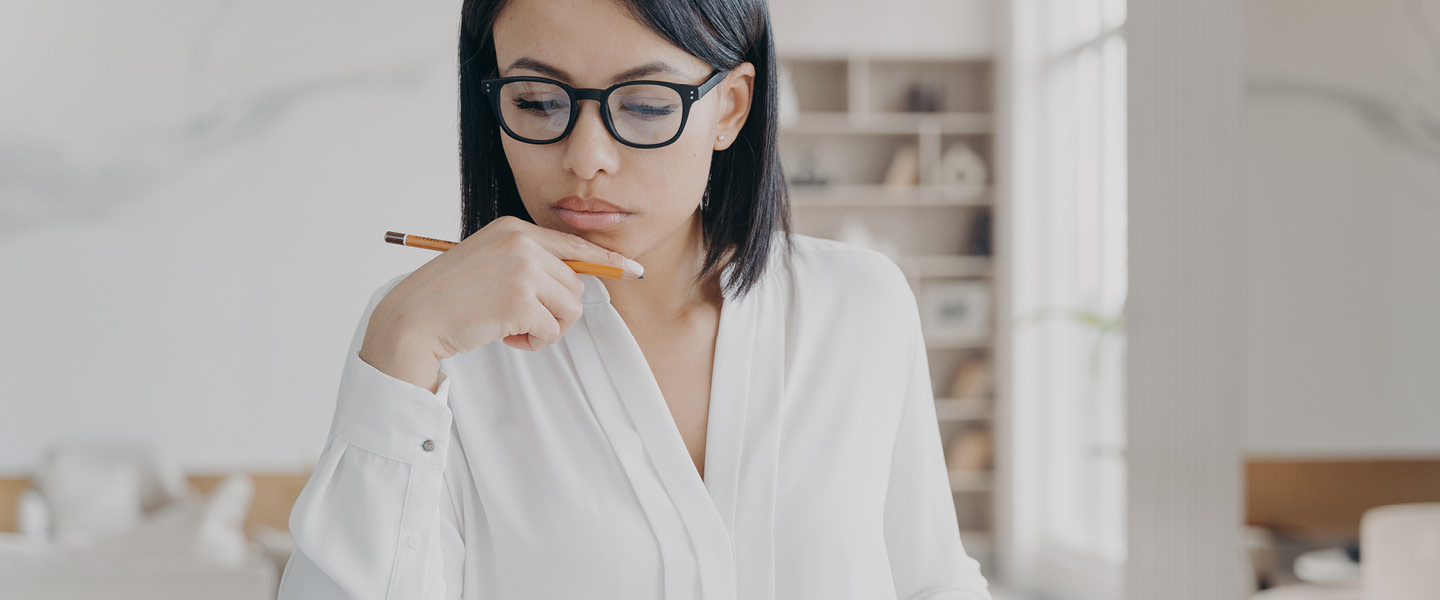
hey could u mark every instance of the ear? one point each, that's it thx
(736, 93)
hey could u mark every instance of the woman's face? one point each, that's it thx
(589, 43)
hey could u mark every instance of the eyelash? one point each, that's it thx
(527, 105)
(655, 112)
(650, 113)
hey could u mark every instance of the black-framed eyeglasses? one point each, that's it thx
(639, 114)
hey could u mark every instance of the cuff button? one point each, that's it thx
(428, 445)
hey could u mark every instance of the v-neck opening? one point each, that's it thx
(601, 295)
(630, 405)
(743, 422)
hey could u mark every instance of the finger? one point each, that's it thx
(562, 273)
(562, 303)
(541, 326)
(524, 341)
(573, 247)
(519, 341)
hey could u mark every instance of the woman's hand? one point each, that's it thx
(504, 281)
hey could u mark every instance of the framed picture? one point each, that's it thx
(955, 308)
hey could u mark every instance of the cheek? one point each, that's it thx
(687, 164)
(516, 155)
(679, 183)
(695, 147)
(528, 163)
(527, 167)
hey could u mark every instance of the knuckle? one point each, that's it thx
(530, 268)
(524, 289)
(496, 225)
(515, 240)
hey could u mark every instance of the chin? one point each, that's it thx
(615, 239)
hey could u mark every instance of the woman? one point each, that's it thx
(751, 420)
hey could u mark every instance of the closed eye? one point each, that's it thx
(648, 111)
(542, 107)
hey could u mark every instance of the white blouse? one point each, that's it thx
(560, 473)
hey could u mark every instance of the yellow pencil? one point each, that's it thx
(416, 241)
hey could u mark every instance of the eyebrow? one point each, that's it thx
(635, 73)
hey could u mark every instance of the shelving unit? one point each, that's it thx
(850, 119)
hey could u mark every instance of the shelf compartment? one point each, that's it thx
(952, 342)
(895, 233)
(876, 195)
(843, 158)
(945, 266)
(971, 481)
(961, 409)
(817, 122)
(962, 85)
(977, 541)
(821, 84)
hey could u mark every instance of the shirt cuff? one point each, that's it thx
(392, 417)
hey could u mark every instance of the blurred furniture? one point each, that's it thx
(1309, 591)
(1328, 566)
(118, 520)
(1322, 500)
(1400, 559)
(1257, 559)
(1400, 552)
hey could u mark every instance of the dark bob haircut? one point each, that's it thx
(747, 200)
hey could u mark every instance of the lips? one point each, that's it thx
(595, 205)
(590, 214)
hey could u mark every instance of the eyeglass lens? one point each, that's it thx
(641, 113)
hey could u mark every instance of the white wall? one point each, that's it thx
(884, 27)
(193, 197)
(1343, 109)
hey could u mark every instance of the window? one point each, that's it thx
(1069, 288)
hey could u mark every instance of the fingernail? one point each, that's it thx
(634, 267)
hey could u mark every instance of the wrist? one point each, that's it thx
(403, 355)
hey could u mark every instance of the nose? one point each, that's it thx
(589, 148)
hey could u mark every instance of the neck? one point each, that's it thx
(668, 292)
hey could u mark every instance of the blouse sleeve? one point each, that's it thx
(376, 518)
(922, 534)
